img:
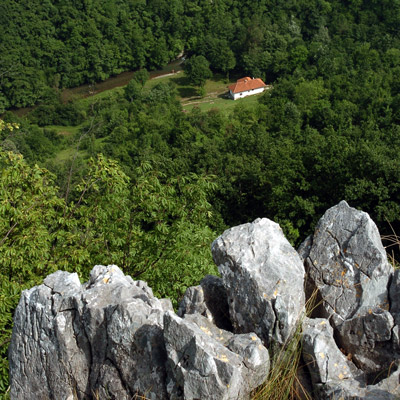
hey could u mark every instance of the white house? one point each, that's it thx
(246, 87)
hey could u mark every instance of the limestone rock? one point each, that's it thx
(332, 374)
(208, 299)
(387, 389)
(206, 362)
(347, 263)
(322, 354)
(111, 338)
(305, 247)
(395, 297)
(263, 276)
(44, 325)
(367, 339)
(73, 341)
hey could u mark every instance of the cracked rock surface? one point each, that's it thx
(106, 339)
(206, 362)
(331, 372)
(103, 338)
(347, 263)
(334, 376)
(263, 277)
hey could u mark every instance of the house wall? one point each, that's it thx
(240, 95)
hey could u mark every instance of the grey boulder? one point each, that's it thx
(205, 362)
(263, 277)
(347, 263)
(103, 338)
(395, 297)
(334, 376)
(367, 339)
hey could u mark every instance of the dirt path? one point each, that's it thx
(119, 80)
(206, 99)
(122, 79)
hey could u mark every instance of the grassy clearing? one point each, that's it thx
(65, 155)
(114, 82)
(69, 152)
(112, 93)
(216, 97)
(64, 130)
(216, 93)
(220, 102)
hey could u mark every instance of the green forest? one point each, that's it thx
(131, 177)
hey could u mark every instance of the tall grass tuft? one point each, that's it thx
(287, 379)
(392, 246)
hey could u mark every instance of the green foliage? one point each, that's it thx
(133, 90)
(10, 292)
(45, 47)
(141, 76)
(28, 210)
(65, 45)
(57, 113)
(152, 226)
(220, 55)
(173, 251)
(197, 70)
(162, 93)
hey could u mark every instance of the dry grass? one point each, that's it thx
(288, 376)
(392, 246)
(284, 380)
(96, 396)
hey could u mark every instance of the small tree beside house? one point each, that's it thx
(197, 70)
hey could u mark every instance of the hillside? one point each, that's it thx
(145, 175)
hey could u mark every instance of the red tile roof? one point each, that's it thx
(247, 78)
(245, 84)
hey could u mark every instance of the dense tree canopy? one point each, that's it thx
(57, 44)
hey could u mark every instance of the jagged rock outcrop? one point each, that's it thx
(209, 363)
(111, 338)
(106, 338)
(101, 338)
(264, 277)
(208, 299)
(346, 261)
(333, 375)
(331, 372)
